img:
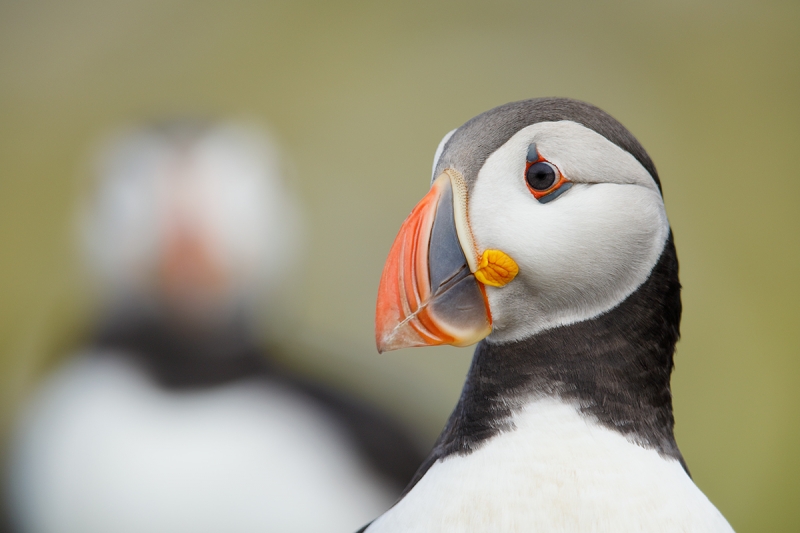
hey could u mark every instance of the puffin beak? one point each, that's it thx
(429, 294)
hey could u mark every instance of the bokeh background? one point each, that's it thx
(358, 95)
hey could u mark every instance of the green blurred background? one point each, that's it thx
(359, 95)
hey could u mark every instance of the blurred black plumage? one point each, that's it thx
(175, 417)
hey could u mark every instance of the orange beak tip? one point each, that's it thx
(393, 333)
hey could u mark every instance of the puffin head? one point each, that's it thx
(542, 213)
(190, 220)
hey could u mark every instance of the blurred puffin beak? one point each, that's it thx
(430, 292)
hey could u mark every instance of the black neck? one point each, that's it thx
(181, 357)
(615, 367)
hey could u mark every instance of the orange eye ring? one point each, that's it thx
(541, 193)
(550, 173)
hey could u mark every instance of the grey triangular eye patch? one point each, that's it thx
(533, 154)
(556, 193)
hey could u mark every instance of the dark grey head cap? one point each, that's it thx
(473, 143)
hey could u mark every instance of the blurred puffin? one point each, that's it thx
(173, 420)
(544, 238)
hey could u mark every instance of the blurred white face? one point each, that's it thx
(580, 254)
(201, 227)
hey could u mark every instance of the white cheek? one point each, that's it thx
(579, 256)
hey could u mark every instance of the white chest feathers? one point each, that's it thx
(556, 472)
(102, 450)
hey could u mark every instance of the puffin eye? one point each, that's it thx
(541, 176)
(545, 181)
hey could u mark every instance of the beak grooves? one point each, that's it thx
(403, 312)
(428, 294)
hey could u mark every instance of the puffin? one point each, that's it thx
(544, 239)
(176, 416)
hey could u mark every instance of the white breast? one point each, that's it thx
(556, 472)
(102, 450)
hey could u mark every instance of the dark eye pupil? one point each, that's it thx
(541, 176)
